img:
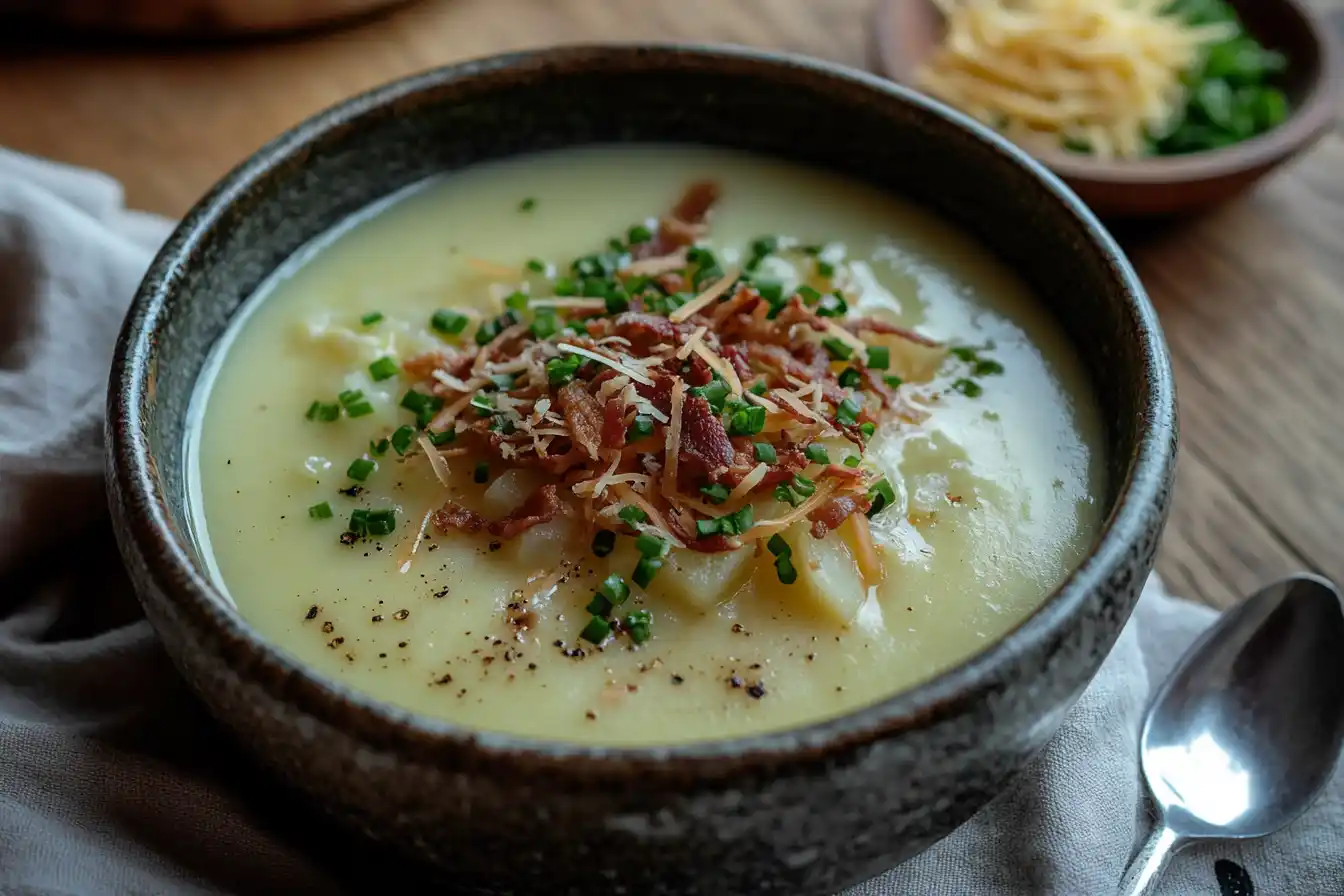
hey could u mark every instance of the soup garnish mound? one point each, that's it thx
(528, 454)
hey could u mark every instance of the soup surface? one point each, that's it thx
(967, 454)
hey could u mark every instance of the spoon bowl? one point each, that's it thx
(1246, 731)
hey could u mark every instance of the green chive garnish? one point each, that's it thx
(849, 378)
(847, 414)
(740, 522)
(825, 268)
(439, 439)
(853, 461)
(638, 624)
(651, 545)
(596, 630)
(536, 265)
(716, 493)
(867, 429)
(833, 305)
(785, 495)
(402, 438)
(545, 325)
(604, 542)
(561, 370)
(419, 403)
(527, 204)
(785, 570)
(879, 357)
(882, 495)
(706, 528)
(777, 545)
(809, 295)
(371, 318)
(639, 234)
(645, 570)
(816, 452)
(839, 351)
(383, 369)
(359, 522)
(803, 486)
(382, 522)
(893, 381)
(482, 472)
(969, 388)
(323, 412)
(633, 514)
(747, 422)
(617, 302)
(715, 393)
(758, 388)
(987, 367)
(379, 447)
(564, 286)
(765, 453)
(640, 427)
(320, 511)
(483, 403)
(449, 323)
(354, 402)
(614, 589)
(360, 469)
(599, 606)
(517, 301)
(964, 353)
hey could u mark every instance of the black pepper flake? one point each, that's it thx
(432, 547)
(401, 614)
(531, 667)
(557, 643)
(328, 627)
(735, 681)
(576, 653)
(401, 643)
(590, 716)
(312, 612)
(348, 538)
(495, 545)
(441, 593)
(487, 660)
(377, 617)
(737, 628)
(445, 678)
(756, 690)
(754, 666)
(677, 679)
(811, 657)
(353, 491)
(382, 656)
(335, 642)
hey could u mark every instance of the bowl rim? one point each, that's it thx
(1307, 122)
(165, 556)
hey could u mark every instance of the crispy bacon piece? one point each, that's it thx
(542, 506)
(613, 424)
(659, 394)
(830, 515)
(695, 204)
(873, 325)
(736, 356)
(645, 330)
(704, 442)
(816, 367)
(683, 224)
(422, 367)
(583, 415)
(874, 383)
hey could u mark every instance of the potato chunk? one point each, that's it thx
(829, 582)
(703, 581)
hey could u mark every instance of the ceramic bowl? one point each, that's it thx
(805, 811)
(907, 31)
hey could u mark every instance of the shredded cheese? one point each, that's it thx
(722, 367)
(825, 489)
(570, 304)
(1105, 72)
(436, 461)
(749, 482)
(636, 375)
(652, 267)
(691, 342)
(483, 356)
(674, 436)
(626, 493)
(718, 288)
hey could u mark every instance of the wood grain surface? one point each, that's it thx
(1251, 294)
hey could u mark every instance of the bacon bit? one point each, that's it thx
(874, 383)
(873, 325)
(483, 356)
(644, 330)
(722, 367)
(834, 512)
(423, 367)
(673, 446)
(542, 506)
(696, 203)
(613, 424)
(865, 552)
(737, 356)
(583, 415)
(703, 438)
(718, 288)
(744, 296)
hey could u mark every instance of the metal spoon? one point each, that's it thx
(1244, 734)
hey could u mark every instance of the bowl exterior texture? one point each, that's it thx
(801, 812)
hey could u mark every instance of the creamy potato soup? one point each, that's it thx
(642, 445)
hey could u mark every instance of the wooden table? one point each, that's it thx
(1252, 296)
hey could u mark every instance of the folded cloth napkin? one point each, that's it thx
(114, 781)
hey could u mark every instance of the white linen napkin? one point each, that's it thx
(114, 781)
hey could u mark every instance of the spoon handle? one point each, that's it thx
(1147, 866)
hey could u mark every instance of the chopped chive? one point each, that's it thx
(715, 393)
(785, 570)
(545, 325)
(527, 204)
(853, 461)
(371, 318)
(536, 265)
(839, 351)
(599, 606)
(418, 402)
(882, 495)
(449, 323)
(486, 332)
(359, 522)
(969, 388)
(809, 295)
(402, 438)
(320, 511)
(617, 302)
(772, 291)
(964, 353)
(614, 589)
(747, 422)
(785, 495)
(561, 370)
(323, 412)
(825, 268)
(483, 403)
(503, 424)
(639, 234)
(359, 409)
(847, 414)
(716, 493)
(383, 369)
(740, 522)
(645, 570)
(651, 545)
(379, 447)
(482, 472)
(382, 522)
(879, 357)
(604, 542)
(803, 486)
(758, 388)
(816, 452)
(778, 546)
(632, 514)
(833, 305)
(893, 381)
(639, 625)
(987, 367)
(439, 439)
(349, 397)
(640, 427)
(849, 378)
(564, 286)
(596, 630)
(706, 528)
(360, 469)
(765, 453)
(868, 428)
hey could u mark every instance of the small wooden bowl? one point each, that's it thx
(907, 31)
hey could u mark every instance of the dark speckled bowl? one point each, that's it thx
(799, 812)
